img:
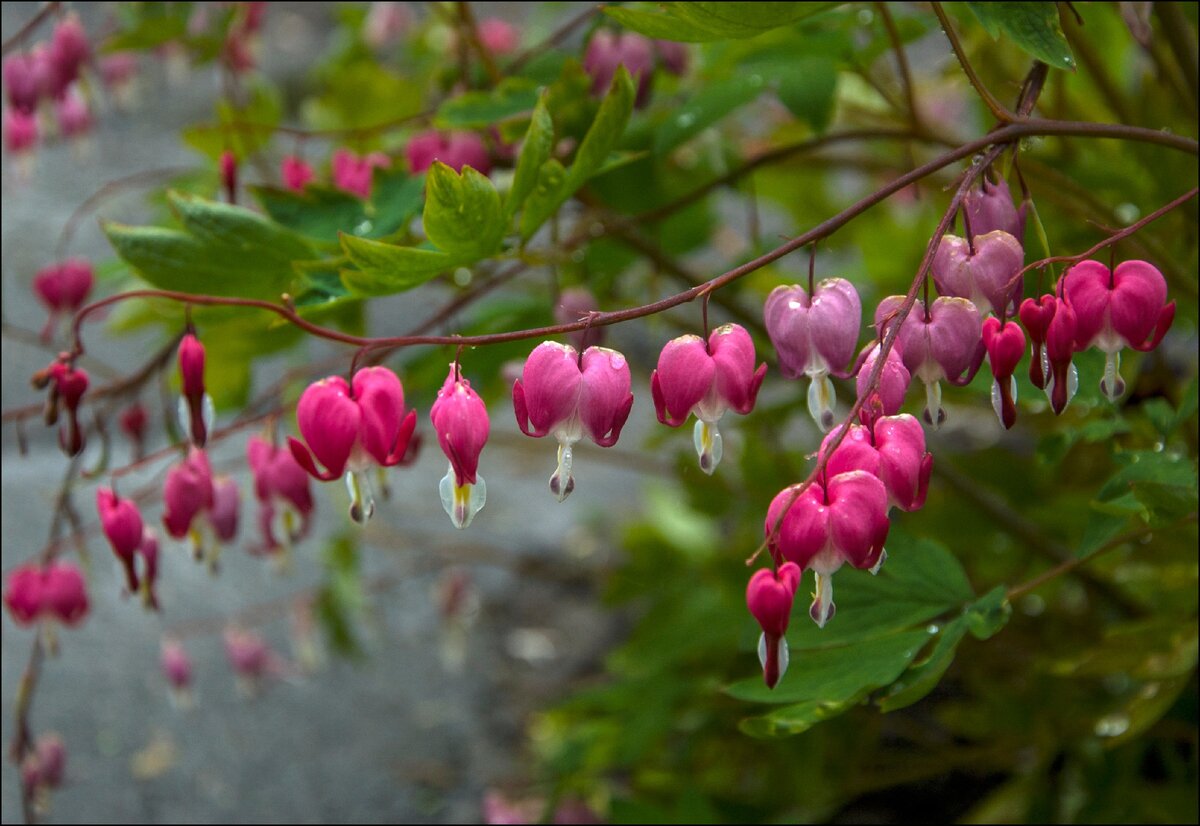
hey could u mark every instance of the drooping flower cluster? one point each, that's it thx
(200, 506)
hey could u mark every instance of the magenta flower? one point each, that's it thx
(355, 174)
(769, 596)
(176, 667)
(499, 36)
(607, 50)
(23, 594)
(199, 506)
(22, 85)
(352, 428)
(56, 591)
(69, 49)
(893, 382)
(815, 337)
(672, 56)
(827, 524)
(45, 766)
(990, 208)
(892, 449)
(1036, 315)
(227, 166)
(454, 149)
(1123, 308)
(133, 422)
(148, 550)
(282, 489)
(74, 115)
(1063, 377)
(20, 132)
(460, 419)
(122, 524)
(986, 271)
(67, 387)
(568, 397)
(62, 288)
(196, 410)
(296, 173)
(706, 380)
(1005, 343)
(943, 342)
(251, 658)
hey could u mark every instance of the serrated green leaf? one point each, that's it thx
(921, 677)
(385, 269)
(988, 614)
(535, 151)
(462, 212)
(1034, 27)
(482, 110)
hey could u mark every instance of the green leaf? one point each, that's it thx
(384, 269)
(988, 614)
(481, 110)
(462, 212)
(243, 131)
(238, 230)
(807, 88)
(322, 212)
(605, 131)
(708, 105)
(705, 22)
(546, 197)
(535, 151)
(921, 677)
(147, 25)
(340, 599)
(1034, 27)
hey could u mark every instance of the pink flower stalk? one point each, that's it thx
(296, 173)
(815, 336)
(385, 23)
(20, 131)
(566, 396)
(22, 85)
(352, 428)
(672, 56)
(74, 115)
(706, 379)
(1036, 315)
(176, 667)
(888, 396)
(769, 596)
(455, 149)
(499, 36)
(985, 270)
(354, 174)
(1063, 377)
(228, 168)
(196, 410)
(67, 387)
(1126, 307)
(990, 208)
(62, 288)
(23, 594)
(282, 489)
(460, 420)
(1005, 343)
(607, 50)
(840, 519)
(941, 342)
(133, 424)
(121, 522)
(892, 449)
(577, 304)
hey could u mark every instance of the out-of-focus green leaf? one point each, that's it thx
(708, 105)
(384, 269)
(462, 212)
(481, 110)
(1034, 27)
(147, 25)
(363, 95)
(704, 22)
(988, 614)
(340, 599)
(242, 131)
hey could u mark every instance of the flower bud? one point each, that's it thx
(498, 36)
(133, 424)
(69, 48)
(1063, 378)
(195, 406)
(64, 593)
(769, 596)
(355, 174)
(122, 524)
(228, 166)
(1036, 315)
(607, 50)
(187, 492)
(1005, 345)
(282, 489)
(22, 85)
(74, 115)
(990, 208)
(892, 386)
(986, 270)
(176, 668)
(296, 173)
(119, 71)
(148, 551)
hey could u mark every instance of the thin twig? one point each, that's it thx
(997, 108)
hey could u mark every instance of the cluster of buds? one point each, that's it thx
(63, 287)
(54, 591)
(607, 50)
(67, 384)
(50, 73)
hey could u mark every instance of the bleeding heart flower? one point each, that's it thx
(69, 49)
(1005, 345)
(1036, 315)
(706, 379)
(73, 113)
(119, 71)
(196, 410)
(499, 36)
(23, 594)
(1113, 310)
(460, 419)
(63, 287)
(1063, 378)
(815, 337)
(227, 165)
(607, 50)
(990, 208)
(826, 524)
(177, 668)
(569, 397)
(892, 386)
(282, 489)
(64, 593)
(295, 173)
(351, 428)
(199, 506)
(769, 596)
(943, 342)
(22, 86)
(456, 150)
(672, 56)
(986, 271)
(122, 524)
(892, 448)
(385, 22)
(148, 550)
(355, 174)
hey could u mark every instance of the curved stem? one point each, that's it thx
(997, 108)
